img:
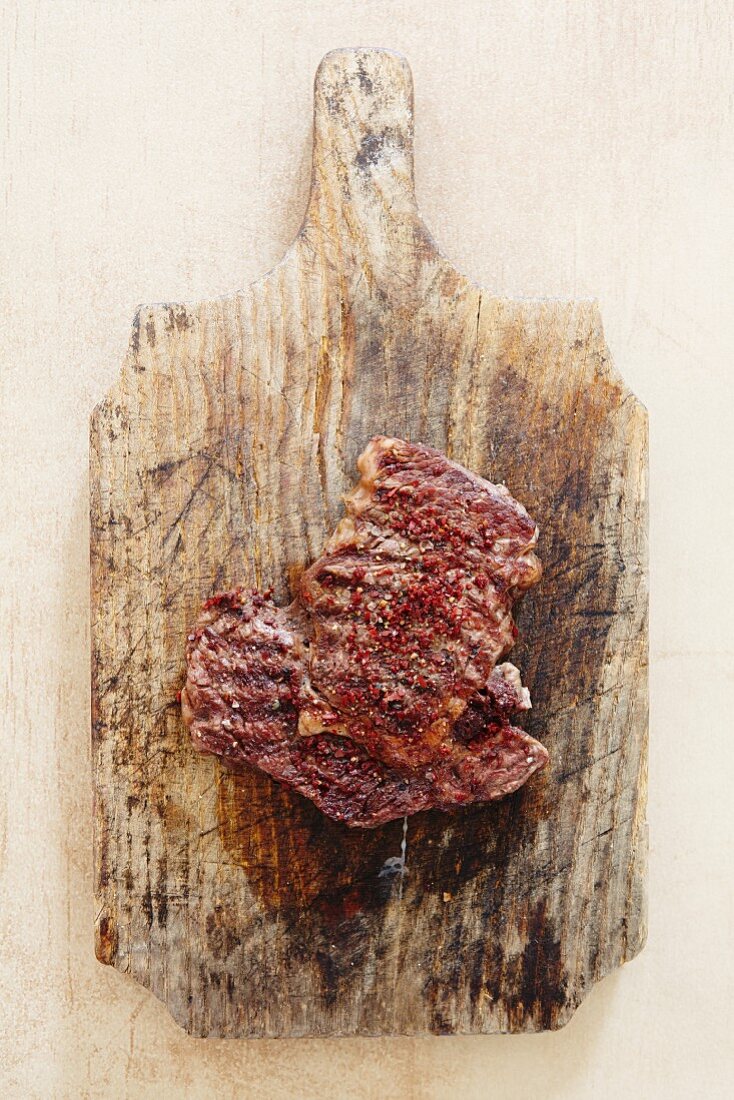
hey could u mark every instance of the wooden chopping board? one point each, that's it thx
(219, 458)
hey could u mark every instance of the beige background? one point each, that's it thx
(159, 150)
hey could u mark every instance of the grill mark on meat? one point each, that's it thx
(377, 693)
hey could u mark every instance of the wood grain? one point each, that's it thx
(220, 458)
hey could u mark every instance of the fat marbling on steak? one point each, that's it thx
(377, 692)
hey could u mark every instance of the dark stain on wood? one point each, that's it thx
(313, 865)
(106, 939)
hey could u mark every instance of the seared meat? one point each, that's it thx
(377, 692)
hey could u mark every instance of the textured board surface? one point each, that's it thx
(219, 458)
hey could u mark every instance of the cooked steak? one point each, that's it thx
(377, 693)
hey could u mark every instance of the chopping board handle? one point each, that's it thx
(362, 185)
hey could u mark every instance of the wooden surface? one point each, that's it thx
(565, 150)
(220, 459)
